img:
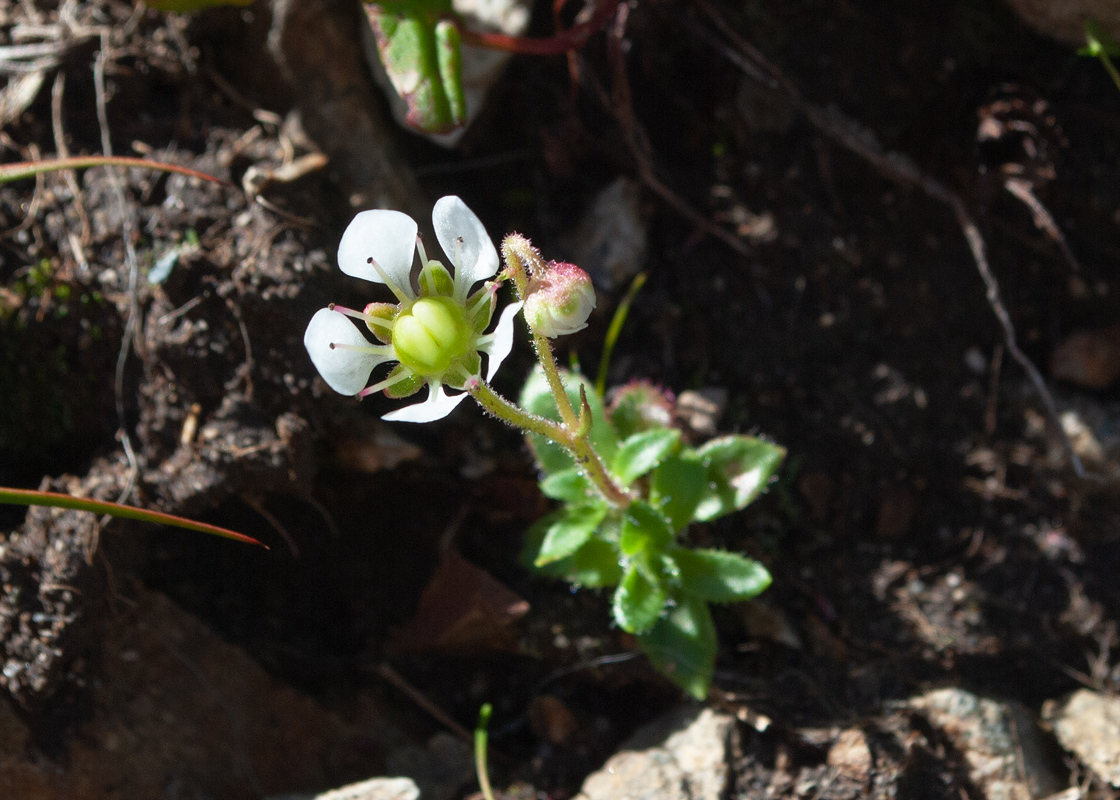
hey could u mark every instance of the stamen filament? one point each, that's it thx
(420, 250)
(405, 299)
(392, 380)
(368, 348)
(369, 318)
(461, 287)
(482, 297)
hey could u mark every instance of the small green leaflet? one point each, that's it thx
(642, 452)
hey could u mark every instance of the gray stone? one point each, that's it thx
(373, 789)
(682, 755)
(318, 45)
(1000, 742)
(610, 241)
(1087, 724)
(440, 769)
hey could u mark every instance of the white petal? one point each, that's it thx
(438, 405)
(345, 371)
(478, 259)
(500, 342)
(389, 238)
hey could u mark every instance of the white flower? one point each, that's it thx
(435, 334)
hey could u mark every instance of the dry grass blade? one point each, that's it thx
(29, 169)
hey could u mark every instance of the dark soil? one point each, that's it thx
(925, 531)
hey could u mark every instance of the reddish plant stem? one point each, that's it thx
(562, 42)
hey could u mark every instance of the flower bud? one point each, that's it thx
(559, 300)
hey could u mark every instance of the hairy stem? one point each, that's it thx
(578, 446)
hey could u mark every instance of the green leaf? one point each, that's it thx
(719, 576)
(594, 565)
(682, 645)
(638, 602)
(639, 406)
(642, 452)
(421, 55)
(536, 398)
(677, 485)
(570, 485)
(739, 468)
(568, 531)
(644, 528)
(1099, 41)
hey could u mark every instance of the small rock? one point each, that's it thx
(371, 446)
(817, 488)
(764, 621)
(1089, 358)
(700, 410)
(551, 720)
(850, 755)
(1064, 21)
(683, 755)
(1087, 724)
(440, 769)
(822, 642)
(896, 511)
(610, 241)
(999, 741)
(373, 789)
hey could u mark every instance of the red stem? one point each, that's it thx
(562, 42)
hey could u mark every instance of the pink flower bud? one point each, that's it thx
(559, 300)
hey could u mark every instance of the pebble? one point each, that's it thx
(683, 755)
(1000, 743)
(373, 789)
(1087, 724)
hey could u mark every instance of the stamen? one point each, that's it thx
(481, 298)
(372, 320)
(385, 384)
(405, 300)
(420, 250)
(359, 348)
(461, 287)
(461, 375)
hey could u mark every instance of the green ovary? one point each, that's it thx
(431, 335)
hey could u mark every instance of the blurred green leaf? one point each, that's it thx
(568, 531)
(682, 645)
(1099, 41)
(421, 54)
(642, 452)
(677, 485)
(644, 528)
(570, 485)
(738, 470)
(718, 576)
(638, 601)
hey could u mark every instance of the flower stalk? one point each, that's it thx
(524, 265)
(575, 438)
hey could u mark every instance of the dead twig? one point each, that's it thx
(58, 88)
(415, 695)
(623, 109)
